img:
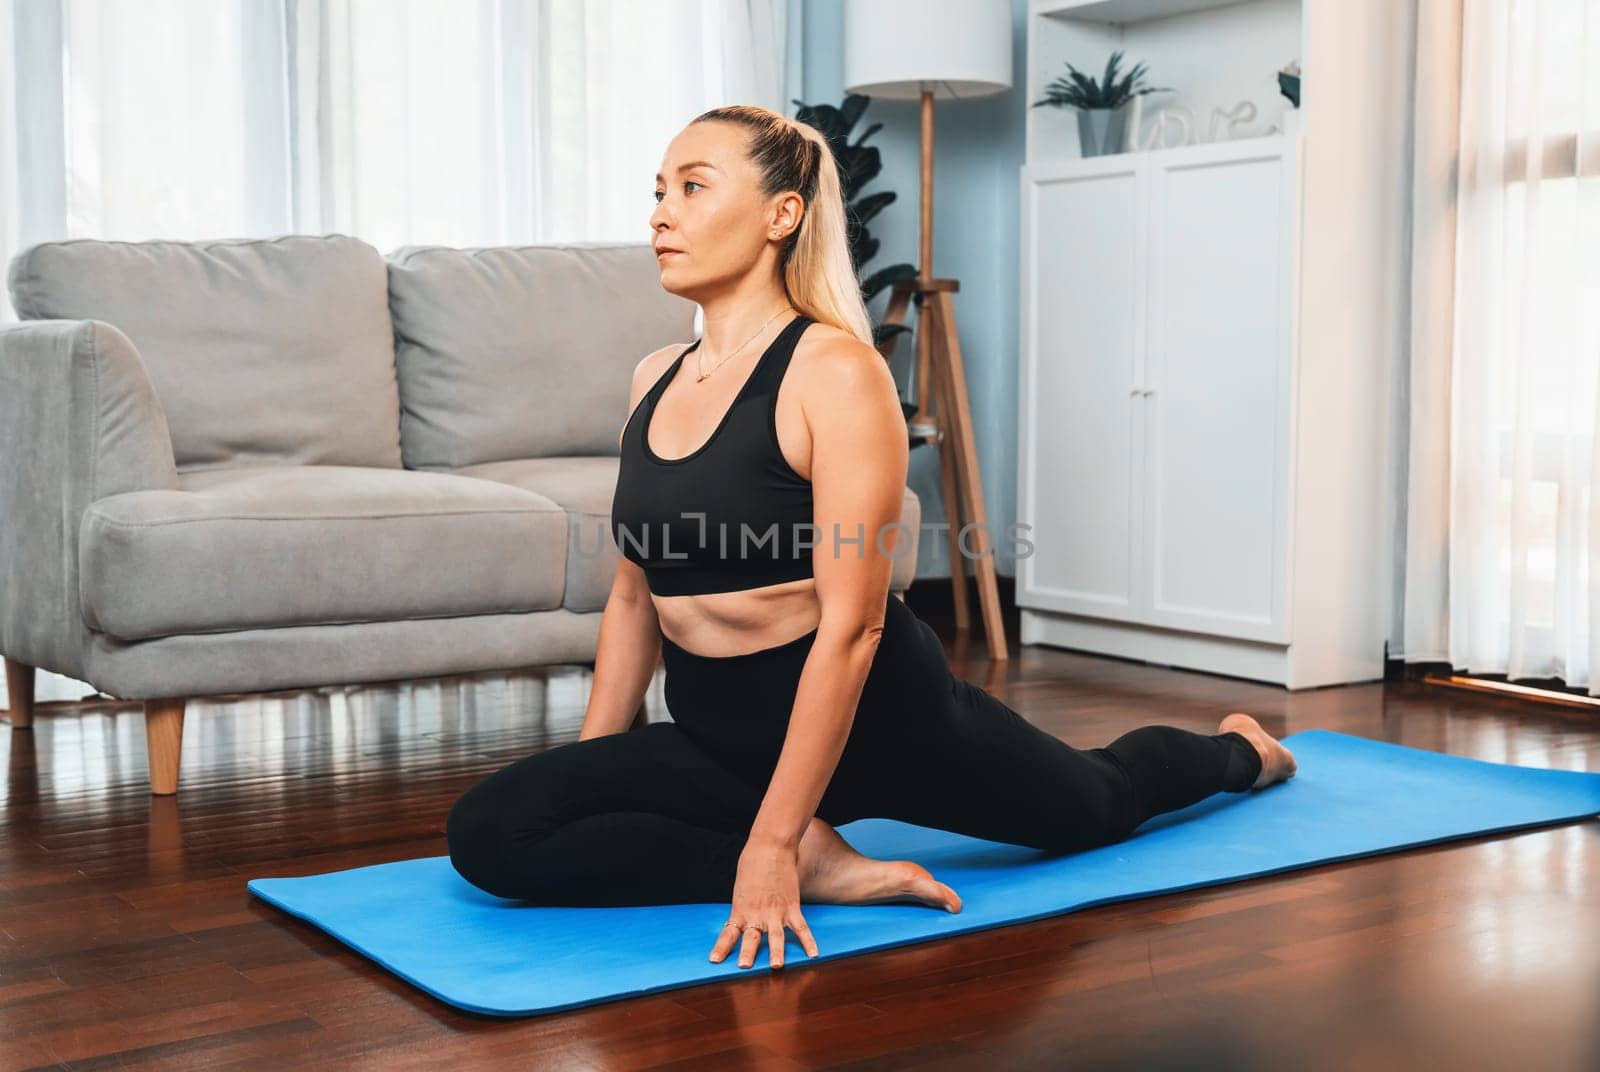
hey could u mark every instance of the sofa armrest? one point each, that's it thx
(79, 420)
(905, 563)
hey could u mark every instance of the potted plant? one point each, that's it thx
(1102, 106)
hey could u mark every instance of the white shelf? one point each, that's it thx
(1208, 56)
(1199, 152)
(1118, 12)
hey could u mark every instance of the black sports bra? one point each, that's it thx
(732, 514)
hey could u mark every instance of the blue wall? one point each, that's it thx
(978, 154)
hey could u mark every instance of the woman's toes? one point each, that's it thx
(1277, 762)
(915, 881)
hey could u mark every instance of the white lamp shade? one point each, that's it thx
(956, 49)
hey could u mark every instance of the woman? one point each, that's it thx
(803, 695)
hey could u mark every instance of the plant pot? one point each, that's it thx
(1102, 131)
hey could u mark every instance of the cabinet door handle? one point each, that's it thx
(1141, 390)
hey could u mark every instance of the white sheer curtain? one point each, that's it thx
(459, 122)
(399, 121)
(487, 121)
(10, 209)
(1500, 555)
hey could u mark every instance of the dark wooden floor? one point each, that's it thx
(127, 937)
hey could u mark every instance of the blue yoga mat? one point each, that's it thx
(1352, 797)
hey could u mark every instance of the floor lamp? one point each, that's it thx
(945, 50)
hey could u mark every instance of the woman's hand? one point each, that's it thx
(766, 899)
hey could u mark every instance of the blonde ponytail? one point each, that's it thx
(819, 277)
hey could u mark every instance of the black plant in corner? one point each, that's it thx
(859, 164)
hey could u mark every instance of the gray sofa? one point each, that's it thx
(244, 465)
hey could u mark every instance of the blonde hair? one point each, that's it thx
(818, 274)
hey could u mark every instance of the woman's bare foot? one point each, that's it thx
(1277, 762)
(832, 872)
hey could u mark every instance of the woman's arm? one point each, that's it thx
(625, 661)
(629, 647)
(859, 453)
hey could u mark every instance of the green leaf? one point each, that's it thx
(857, 167)
(865, 134)
(882, 333)
(883, 277)
(851, 110)
(867, 248)
(872, 204)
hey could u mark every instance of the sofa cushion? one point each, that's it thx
(271, 351)
(523, 351)
(584, 487)
(293, 545)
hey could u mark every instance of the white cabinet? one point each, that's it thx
(1082, 354)
(1185, 475)
(1156, 336)
(1215, 393)
(1211, 345)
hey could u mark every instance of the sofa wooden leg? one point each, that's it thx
(19, 690)
(163, 732)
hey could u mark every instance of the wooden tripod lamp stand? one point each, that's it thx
(951, 50)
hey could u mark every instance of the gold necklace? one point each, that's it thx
(700, 354)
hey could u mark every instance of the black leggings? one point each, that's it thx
(660, 814)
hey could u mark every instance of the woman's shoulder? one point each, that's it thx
(658, 361)
(828, 359)
(651, 367)
(647, 372)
